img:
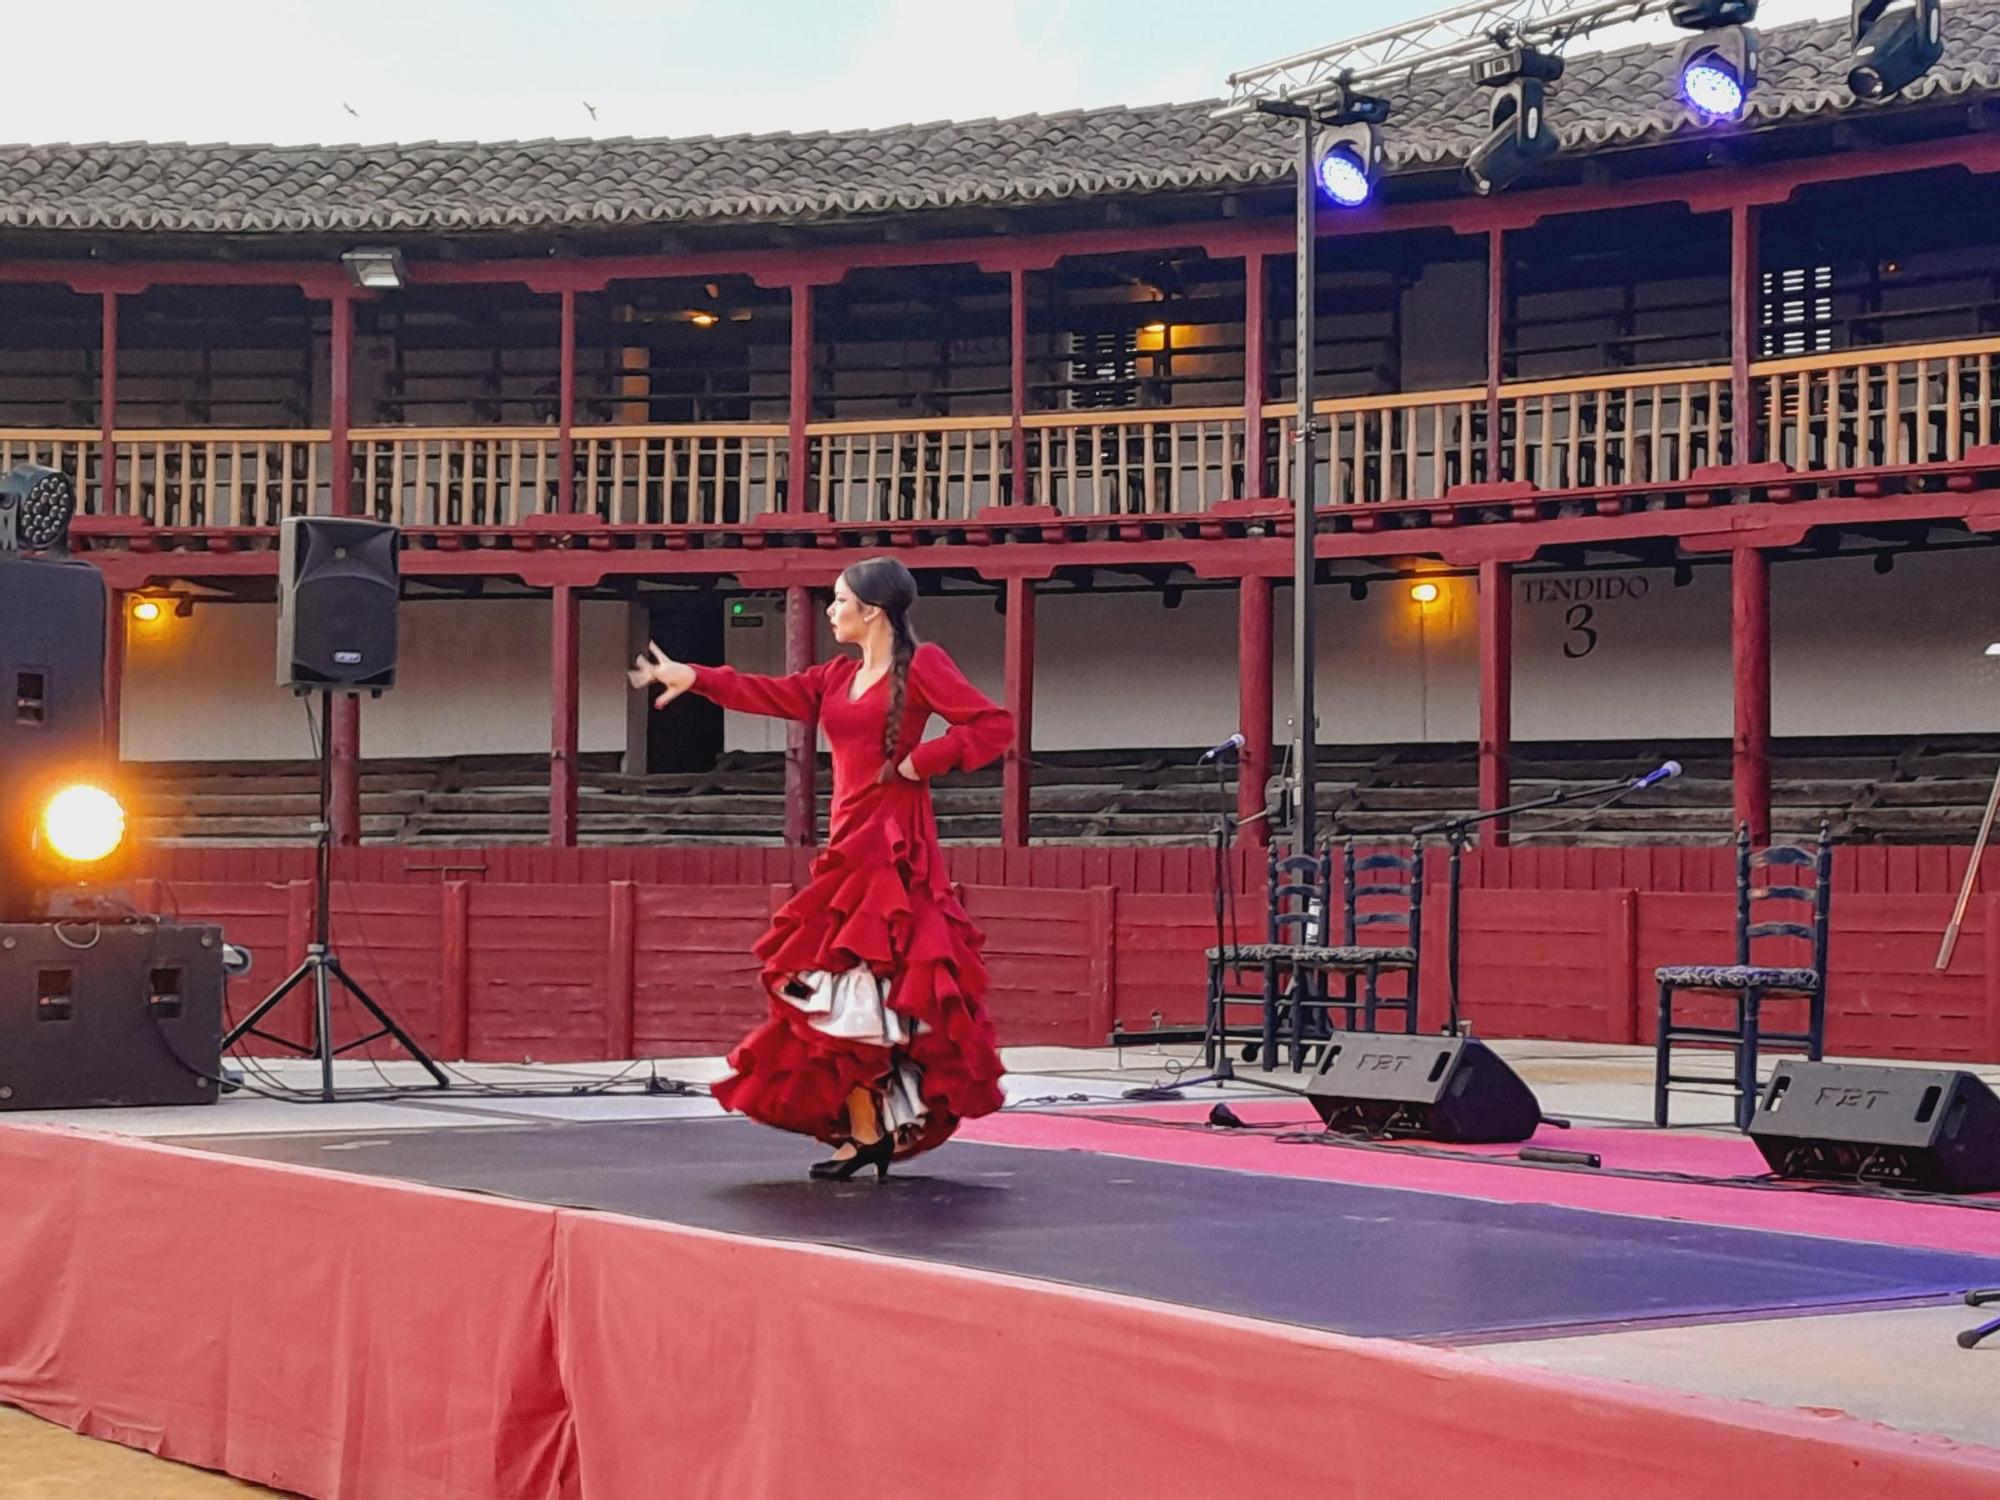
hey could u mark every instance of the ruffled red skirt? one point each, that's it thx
(872, 904)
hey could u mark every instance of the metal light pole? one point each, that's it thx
(1305, 723)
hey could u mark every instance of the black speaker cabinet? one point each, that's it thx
(1927, 1128)
(338, 589)
(132, 1016)
(1438, 1088)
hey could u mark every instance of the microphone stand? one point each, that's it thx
(1457, 833)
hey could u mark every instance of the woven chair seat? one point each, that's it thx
(1736, 977)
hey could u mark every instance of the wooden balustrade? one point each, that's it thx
(1858, 409)
(1138, 463)
(467, 476)
(1595, 431)
(723, 475)
(1377, 448)
(1879, 408)
(210, 478)
(938, 469)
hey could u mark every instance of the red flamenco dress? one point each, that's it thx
(873, 969)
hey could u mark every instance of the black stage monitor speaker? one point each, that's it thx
(133, 1017)
(1440, 1088)
(338, 586)
(1928, 1128)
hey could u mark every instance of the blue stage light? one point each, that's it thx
(1344, 178)
(1711, 87)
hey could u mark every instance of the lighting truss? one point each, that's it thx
(1428, 45)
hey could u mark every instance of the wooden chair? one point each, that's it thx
(1749, 985)
(1269, 975)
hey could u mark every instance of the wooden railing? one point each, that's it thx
(1648, 428)
(1377, 448)
(1879, 408)
(936, 469)
(468, 476)
(1174, 462)
(1858, 409)
(238, 478)
(680, 476)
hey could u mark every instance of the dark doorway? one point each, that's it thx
(688, 736)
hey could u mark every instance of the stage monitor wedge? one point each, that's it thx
(132, 1018)
(1933, 1129)
(339, 585)
(1451, 1089)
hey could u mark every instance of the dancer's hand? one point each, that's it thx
(655, 666)
(907, 769)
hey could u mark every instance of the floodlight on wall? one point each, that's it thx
(378, 268)
(1521, 136)
(1896, 42)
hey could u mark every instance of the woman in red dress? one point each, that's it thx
(878, 1041)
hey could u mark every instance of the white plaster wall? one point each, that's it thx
(472, 677)
(1619, 655)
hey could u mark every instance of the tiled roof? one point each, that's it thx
(1611, 99)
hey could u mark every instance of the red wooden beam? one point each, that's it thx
(1253, 706)
(340, 386)
(1496, 344)
(566, 417)
(563, 693)
(344, 731)
(1256, 363)
(798, 453)
(1017, 382)
(1016, 772)
(114, 669)
(1496, 689)
(1742, 331)
(345, 819)
(1750, 638)
(801, 740)
(107, 410)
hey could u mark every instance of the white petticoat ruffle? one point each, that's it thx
(854, 1006)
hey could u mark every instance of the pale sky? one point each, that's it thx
(288, 72)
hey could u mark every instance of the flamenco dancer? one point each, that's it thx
(878, 1042)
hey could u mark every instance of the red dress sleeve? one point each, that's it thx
(980, 730)
(794, 697)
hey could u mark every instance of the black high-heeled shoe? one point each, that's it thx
(875, 1154)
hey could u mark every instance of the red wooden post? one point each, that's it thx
(620, 1028)
(566, 416)
(1743, 331)
(1496, 689)
(801, 740)
(562, 717)
(1496, 342)
(114, 668)
(798, 458)
(454, 976)
(345, 730)
(1750, 638)
(1016, 774)
(1254, 361)
(107, 415)
(1017, 382)
(1253, 705)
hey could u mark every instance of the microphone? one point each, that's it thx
(1666, 771)
(1235, 742)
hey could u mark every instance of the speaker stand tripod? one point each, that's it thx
(322, 965)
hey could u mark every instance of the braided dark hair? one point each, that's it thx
(888, 586)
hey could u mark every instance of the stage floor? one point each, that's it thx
(1375, 1261)
(1673, 1270)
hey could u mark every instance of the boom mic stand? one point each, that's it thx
(1457, 833)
